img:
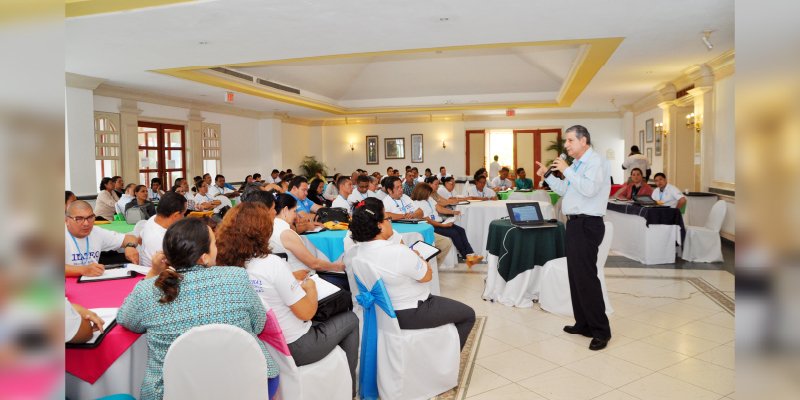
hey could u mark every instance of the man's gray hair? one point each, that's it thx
(580, 131)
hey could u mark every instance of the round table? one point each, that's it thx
(331, 243)
(477, 215)
(117, 226)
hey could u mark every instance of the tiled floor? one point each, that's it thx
(670, 340)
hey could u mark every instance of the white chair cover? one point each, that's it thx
(519, 292)
(215, 361)
(137, 229)
(703, 243)
(412, 364)
(554, 292)
(328, 378)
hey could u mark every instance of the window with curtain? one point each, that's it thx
(212, 154)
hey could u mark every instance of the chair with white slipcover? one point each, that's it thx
(703, 243)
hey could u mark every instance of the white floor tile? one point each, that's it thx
(490, 346)
(724, 356)
(646, 355)
(516, 365)
(661, 387)
(508, 392)
(681, 343)
(616, 395)
(565, 384)
(483, 380)
(705, 375)
(610, 370)
(704, 330)
(519, 336)
(558, 350)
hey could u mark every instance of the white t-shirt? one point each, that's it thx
(152, 241)
(72, 321)
(635, 161)
(485, 193)
(494, 169)
(85, 251)
(215, 190)
(403, 205)
(444, 193)
(278, 289)
(189, 200)
(399, 266)
(224, 201)
(270, 179)
(357, 196)
(154, 196)
(278, 227)
(428, 209)
(669, 196)
(380, 195)
(440, 176)
(123, 201)
(497, 181)
(340, 202)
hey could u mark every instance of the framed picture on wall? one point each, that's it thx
(650, 155)
(648, 130)
(658, 144)
(394, 148)
(372, 149)
(416, 148)
(641, 139)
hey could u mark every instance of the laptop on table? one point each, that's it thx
(646, 201)
(527, 215)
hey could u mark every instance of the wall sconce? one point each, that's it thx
(660, 129)
(694, 121)
(352, 148)
(444, 146)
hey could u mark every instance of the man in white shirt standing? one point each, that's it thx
(345, 187)
(170, 210)
(494, 167)
(667, 194)
(636, 160)
(480, 191)
(218, 188)
(584, 191)
(83, 243)
(501, 182)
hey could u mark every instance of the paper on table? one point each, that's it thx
(316, 229)
(324, 288)
(139, 269)
(108, 274)
(108, 315)
(449, 220)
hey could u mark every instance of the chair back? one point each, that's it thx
(716, 216)
(368, 277)
(214, 362)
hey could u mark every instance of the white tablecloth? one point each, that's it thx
(519, 292)
(537, 195)
(648, 245)
(123, 376)
(697, 209)
(476, 217)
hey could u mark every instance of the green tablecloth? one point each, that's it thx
(117, 226)
(525, 247)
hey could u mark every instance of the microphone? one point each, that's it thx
(549, 172)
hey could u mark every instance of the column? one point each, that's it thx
(194, 144)
(129, 140)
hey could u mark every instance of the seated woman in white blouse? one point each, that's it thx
(203, 201)
(243, 241)
(285, 240)
(404, 274)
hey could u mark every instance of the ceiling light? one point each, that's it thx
(706, 35)
(444, 19)
(202, 43)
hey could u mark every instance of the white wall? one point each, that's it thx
(240, 145)
(639, 121)
(724, 131)
(296, 140)
(80, 162)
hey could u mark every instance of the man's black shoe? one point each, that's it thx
(571, 329)
(598, 344)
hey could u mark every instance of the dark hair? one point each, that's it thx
(244, 234)
(635, 150)
(496, 157)
(115, 178)
(206, 175)
(389, 182)
(155, 180)
(415, 169)
(637, 169)
(441, 168)
(447, 179)
(170, 204)
(260, 196)
(661, 174)
(520, 169)
(341, 181)
(216, 178)
(67, 195)
(364, 224)
(363, 178)
(178, 181)
(395, 171)
(275, 171)
(480, 171)
(174, 188)
(428, 170)
(580, 132)
(288, 170)
(421, 192)
(478, 177)
(137, 188)
(129, 185)
(184, 243)
(256, 176)
(408, 167)
(104, 182)
(429, 180)
(504, 169)
(296, 181)
(284, 201)
(313, 187)
(389, 169)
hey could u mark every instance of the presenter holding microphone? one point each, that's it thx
(584, 189)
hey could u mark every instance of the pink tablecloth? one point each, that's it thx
(90, 364)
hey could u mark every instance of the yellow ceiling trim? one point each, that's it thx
(79, 8)
(596, 54)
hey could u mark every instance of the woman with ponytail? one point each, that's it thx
(404, 273)
(182, 291)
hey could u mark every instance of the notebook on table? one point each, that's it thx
(646, 201)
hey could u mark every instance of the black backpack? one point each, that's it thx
(335, 214)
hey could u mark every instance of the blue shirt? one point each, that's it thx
(526, 183)
(303, 205)
(586, 185)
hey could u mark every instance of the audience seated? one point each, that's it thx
(315, 189)
(155, 192)
(257, 177)
(273, 177)
(306, 209)
(127, 196)
(443, 173)
(409, 182)
(188, 291)
(381, 193)
(140, 201)
(666, 193)
(219, 189)
(170, 210)
(480, 191)
(522, 182)
(451, 201)
(244, 242)
(247, 180)
(119, 184)
(447, 189)
(105, 205)
(80, 323)
(404, 273)
(285, 240)
(636, 187)
(345, 187)
(203, 201)
(422, 200)
(83, 243)
(501, 182)
(363, 183)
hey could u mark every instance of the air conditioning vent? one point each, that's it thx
(277, 86)
(231, 72)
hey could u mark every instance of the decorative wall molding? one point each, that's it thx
(82, 81)
(416, 119)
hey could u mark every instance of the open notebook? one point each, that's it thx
(109, 317)
(324, 288)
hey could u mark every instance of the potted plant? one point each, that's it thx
(310, 167)
(558, 147)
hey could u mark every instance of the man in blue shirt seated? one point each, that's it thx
(306, 209)
(522, 182)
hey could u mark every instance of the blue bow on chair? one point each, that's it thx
(368, 375)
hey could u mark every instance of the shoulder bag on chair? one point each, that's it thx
(134, 215)
(335, 214)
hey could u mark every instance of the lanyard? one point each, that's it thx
(433, 210)
(660, 194)
(85, 255)
(363, 195)
(401, 205)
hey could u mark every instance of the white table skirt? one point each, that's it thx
(697, 209)
(125, 375)
(519, 292)
(476, 217)
(536, 195)
(648, 245)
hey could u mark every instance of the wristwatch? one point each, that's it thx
(130, 244)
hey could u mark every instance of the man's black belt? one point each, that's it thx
(576, 216)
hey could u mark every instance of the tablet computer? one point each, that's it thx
(425, 250)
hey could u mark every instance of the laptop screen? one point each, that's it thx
(524, 212)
